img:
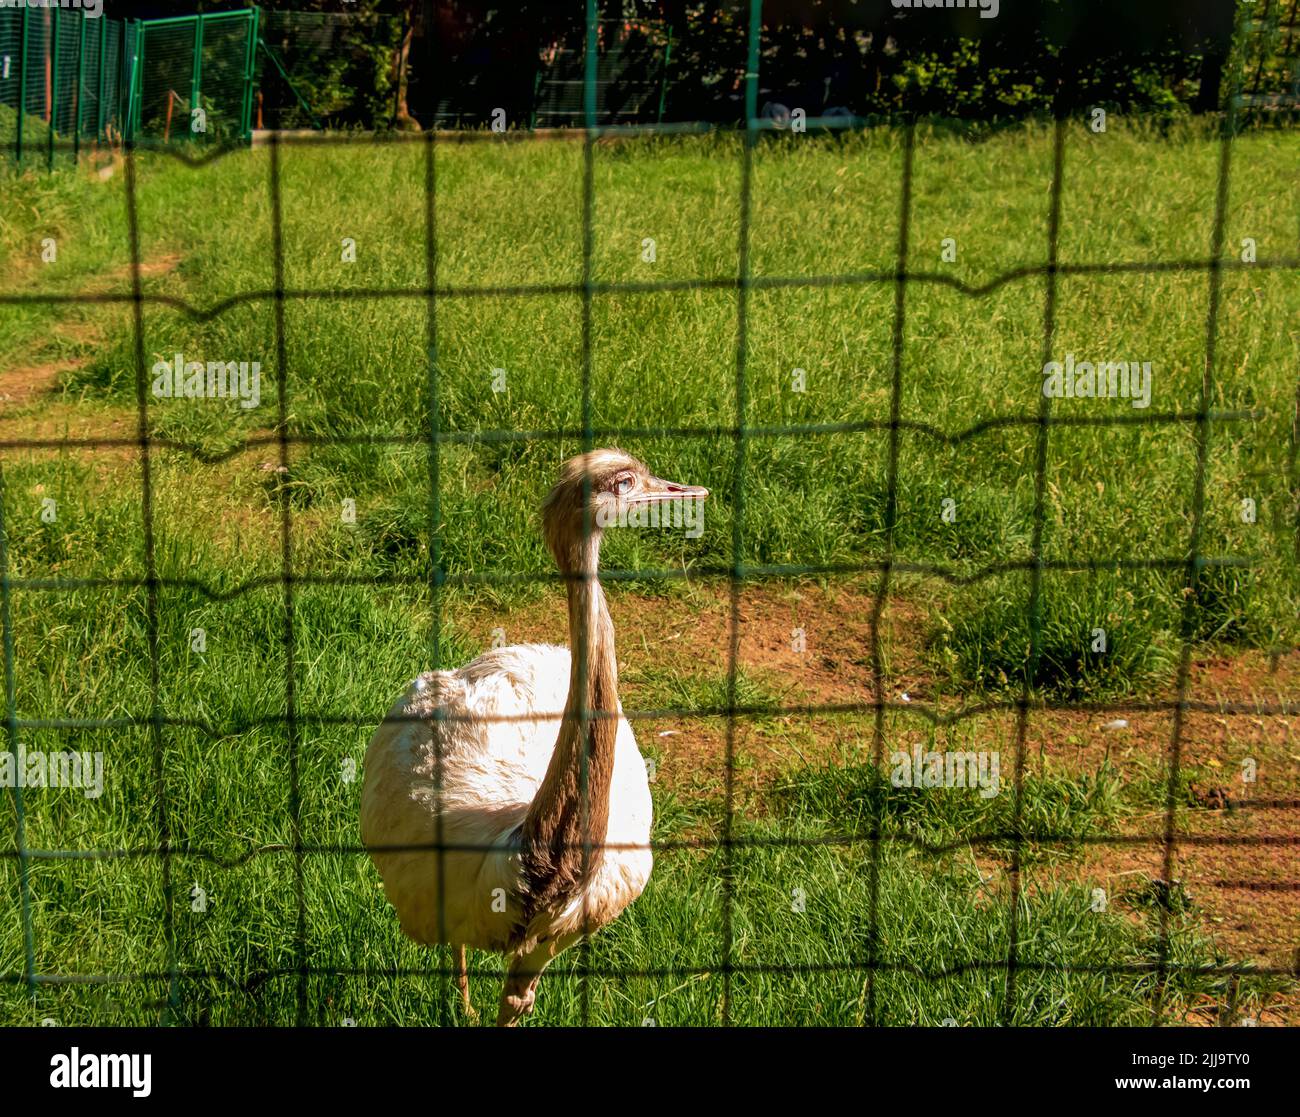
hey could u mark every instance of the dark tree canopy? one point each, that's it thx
(465, 58)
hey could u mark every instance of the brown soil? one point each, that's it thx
(19, 386)
(158, 265)
(33, 409)
(1236, 845)
(27, 384)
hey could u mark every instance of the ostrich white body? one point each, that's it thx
(506, 805)
(500, 719)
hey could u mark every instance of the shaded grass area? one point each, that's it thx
(660, 361)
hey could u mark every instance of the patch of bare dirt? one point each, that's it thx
(162, 264)
(19, 386)
(1236, 842)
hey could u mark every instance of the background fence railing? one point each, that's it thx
(68, 79)
(1270, 47)
(61, 74)
(195, 72)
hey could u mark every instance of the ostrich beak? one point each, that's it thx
(656, 490)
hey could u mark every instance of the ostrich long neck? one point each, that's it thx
(565, 826)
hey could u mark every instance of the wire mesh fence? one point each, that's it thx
(195, 77)
(168, 51)
(71, 78)
(307, 65)
(632, 59)
(309, 69)
(166, 78)
(1270, 44)
(59, 77)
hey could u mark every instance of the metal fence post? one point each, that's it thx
(250, 62)
(81, 72)
(125, 67)
(123, 71)
(134, 93)
(103, 70)
(196, 73)
(663, 75)
(22, 85)
(53, 47)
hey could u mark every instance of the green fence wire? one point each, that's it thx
(740, 429)
(309, 59)
(59, 80)
(1270, 42)
(68, 80)
(630, 81)
(194, 77)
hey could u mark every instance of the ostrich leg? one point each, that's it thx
(522, 974)
(462, 982)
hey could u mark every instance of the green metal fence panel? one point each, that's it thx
(631, 60)
(78, 77)
(68, 81)
(302, 63)
(11, 69)
(194, 63)
(22, 83)
(223, 74)
(88, 80)
(167, 53)
(64, 87)
(109, 121)
(36, 75)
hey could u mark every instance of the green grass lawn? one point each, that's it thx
(237, 763)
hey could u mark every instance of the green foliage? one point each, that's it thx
(339, 63)
(871, 60)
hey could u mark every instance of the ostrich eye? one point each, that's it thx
(623, 484)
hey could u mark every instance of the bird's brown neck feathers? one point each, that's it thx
(565, 827)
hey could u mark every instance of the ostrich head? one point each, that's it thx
(596, 489)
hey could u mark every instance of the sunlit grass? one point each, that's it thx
(225, 520)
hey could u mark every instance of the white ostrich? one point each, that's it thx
(543, 814)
